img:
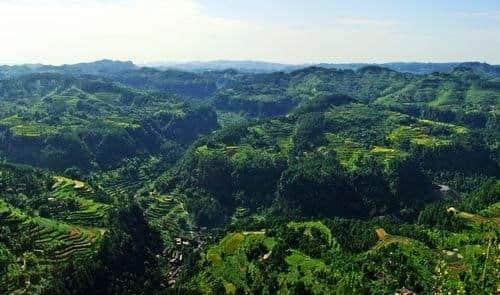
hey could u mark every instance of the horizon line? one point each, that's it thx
(180, 62)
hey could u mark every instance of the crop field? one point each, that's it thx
(52, 241)
(85, 211)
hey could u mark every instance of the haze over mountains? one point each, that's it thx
(110, 66)
(267, 67)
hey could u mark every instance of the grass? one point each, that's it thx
(491, 211)
(12, 121)
(64, 181)
(121, 123)
(387, 154)
(390, 239)
(313, 272)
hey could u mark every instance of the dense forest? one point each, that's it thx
(362, 179)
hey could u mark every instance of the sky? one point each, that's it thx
(285, 31)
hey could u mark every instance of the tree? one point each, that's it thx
(309, 132)
(128, 255)
(317, 185)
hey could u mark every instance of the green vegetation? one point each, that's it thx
(58, 122)
(315, 181)
(42, 244)
(73, 202)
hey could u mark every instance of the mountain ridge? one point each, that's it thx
(108, 66)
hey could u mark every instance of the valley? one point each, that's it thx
(117, 179)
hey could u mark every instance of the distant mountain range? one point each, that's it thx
(265, 67)
(101, 67)
(110, 67)
(220, 65)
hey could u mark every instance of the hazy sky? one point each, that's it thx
(289, 31)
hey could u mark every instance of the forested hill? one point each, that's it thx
(133, 180)
(106, 66)
(203, 84)
(60, 122)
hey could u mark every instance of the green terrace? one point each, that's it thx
(228, 261)
(117, 184)
(350, 121)
(74, 127)
(51, 243)
(271, 131)
(169, 214)
(447, 92)
(74, 108)
(240, 153)
(348, 150)
(428, 133)
(346, 135)
(452, 127)
(416, 136)
(120, 123)
(82, 210)
(269, 136)
(51, 240)
(23, 128)
(226, 119)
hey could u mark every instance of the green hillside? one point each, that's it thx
(60, 122)
(116, 179)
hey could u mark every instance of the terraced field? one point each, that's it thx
(118, 185)
(344, 148)
(347, 149)
(416, 136)
(169, 215)
(19, 127)
(459, 247)
(228, 261)
(53, 242)
(41, 246)
(272, 130)
(83, 210)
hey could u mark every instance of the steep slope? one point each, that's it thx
(144, 191)
(366, 171)
(84, 123)
(46, 223)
